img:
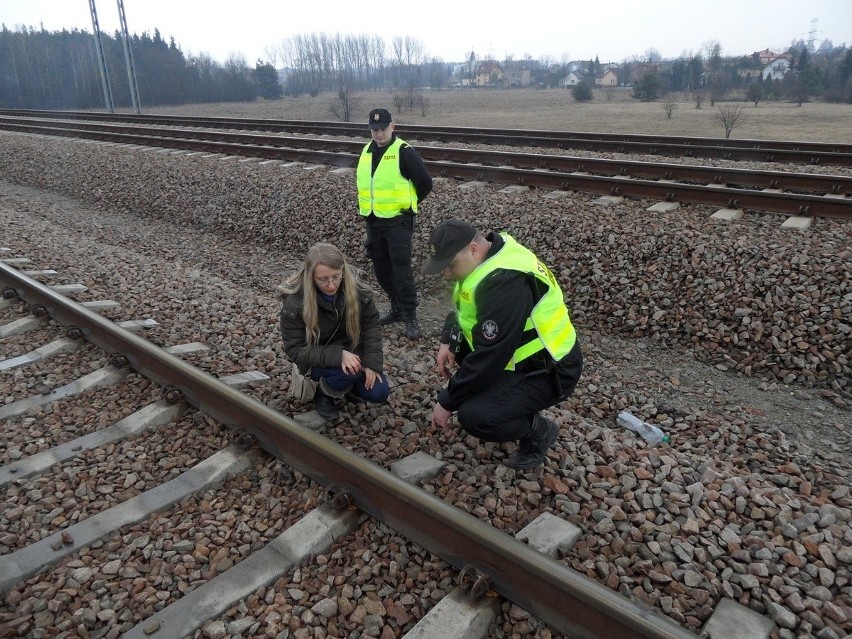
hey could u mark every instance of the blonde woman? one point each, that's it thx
(330, 327)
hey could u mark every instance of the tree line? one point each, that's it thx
(42, 69)
(318, 62)
(60, 70)
(826, 73)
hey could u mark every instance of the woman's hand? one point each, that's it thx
(351, 363)
(370, 377)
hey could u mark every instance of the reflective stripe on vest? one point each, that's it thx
(384, 193)
(549, 317)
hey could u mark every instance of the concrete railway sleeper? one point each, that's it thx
(799, 193)
(524, 570)
(331, 538)
(816, 183)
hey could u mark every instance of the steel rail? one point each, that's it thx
(725, 148)
(565, 599)
(788, 203)
(745, 178)
(358, 130)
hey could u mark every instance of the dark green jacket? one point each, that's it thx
(333, 339)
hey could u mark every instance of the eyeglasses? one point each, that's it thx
(325, 281)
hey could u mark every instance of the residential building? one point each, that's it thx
(489, 74)
(573, 78)
(607, 79)
(777, 68)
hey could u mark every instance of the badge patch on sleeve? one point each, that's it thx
(490, 330)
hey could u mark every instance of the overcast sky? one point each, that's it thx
(450, 29)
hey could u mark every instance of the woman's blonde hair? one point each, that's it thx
(303, 280)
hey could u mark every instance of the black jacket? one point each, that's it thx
(505, 299)
(333, 339)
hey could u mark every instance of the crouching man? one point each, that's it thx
(509, 350)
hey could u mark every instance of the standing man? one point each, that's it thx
(392, 181)
(511, 338)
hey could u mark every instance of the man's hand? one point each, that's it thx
(446, 361)
(440, 416)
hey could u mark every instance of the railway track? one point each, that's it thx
(490, 562)
(728, 149)
(706, 553)
(787, 192)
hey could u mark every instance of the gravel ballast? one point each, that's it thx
(733, 338)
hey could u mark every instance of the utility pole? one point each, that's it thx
(812, 34)
(100, 49)
(128, 58)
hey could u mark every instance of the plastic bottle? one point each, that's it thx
(650, 433)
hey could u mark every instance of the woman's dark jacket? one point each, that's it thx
(333, 340)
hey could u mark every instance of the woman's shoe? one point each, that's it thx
(326, 408)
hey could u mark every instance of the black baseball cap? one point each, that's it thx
(447, 240)
(379, 118)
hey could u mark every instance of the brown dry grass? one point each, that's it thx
(555, 109)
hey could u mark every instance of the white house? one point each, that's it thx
(776, 69)
(573, 78)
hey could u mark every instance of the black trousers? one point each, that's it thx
(504, 411)
(389, 248)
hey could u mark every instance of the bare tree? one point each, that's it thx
(718, 87)
(272, 54)
(754, 92)
(398, 102)
(653, 55)
(376, 61)
(713, 51)
(423, 103)
(409, 57)
(669, 105)
(728, 116)
(301, 54)
(347, 103)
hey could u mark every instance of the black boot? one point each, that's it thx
(533, 448)
(326, 408)
(391, 317)
(412, 328)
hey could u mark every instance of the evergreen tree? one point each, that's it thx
(647, 88)
(60, 70)
(805, 81)
(678, 75)
(266, 81)
(845, 71)
(694, 73)
(581, 92)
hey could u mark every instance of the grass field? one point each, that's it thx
(555, 109)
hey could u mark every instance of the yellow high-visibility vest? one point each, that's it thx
(549, 317)
(385, 193)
